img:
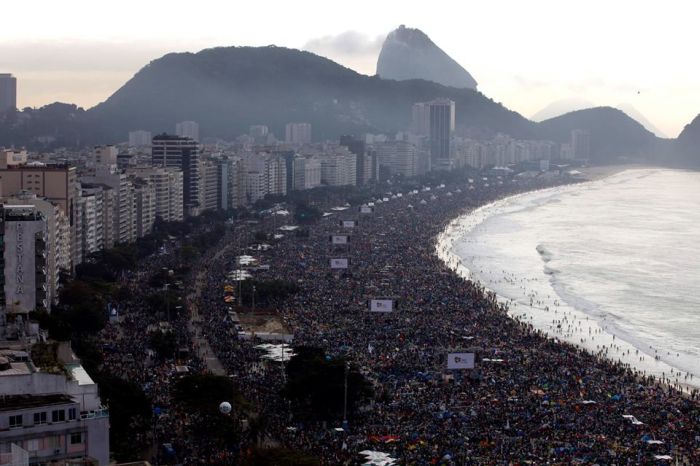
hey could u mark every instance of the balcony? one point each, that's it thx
(100, 413)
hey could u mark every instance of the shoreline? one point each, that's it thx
(610, 336)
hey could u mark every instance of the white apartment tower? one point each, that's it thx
(187, 129)
(298, 133)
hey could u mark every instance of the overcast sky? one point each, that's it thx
(525, 54)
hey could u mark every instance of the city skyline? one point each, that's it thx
(561, 52)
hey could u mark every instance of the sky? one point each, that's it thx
(524, 54)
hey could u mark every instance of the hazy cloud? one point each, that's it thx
(350, 48)
(75, 56)
(72, 71)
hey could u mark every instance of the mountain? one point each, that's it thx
(564, 106)
(614, 135)
(227, 89)
(410, 54)
(561, 107)
(687, 150)
(630, 110)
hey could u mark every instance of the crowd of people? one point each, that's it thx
(529, 399)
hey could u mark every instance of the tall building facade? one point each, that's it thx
(398, 157)
(187, 129)
(57, 183)
(420, 119)
(307, 173)
(170, 151)
(139, 138)
(339, 169)
(168, 186)
(58, 239)
(26, 286)
(145, 206)
(105, 155)
(363, 162)
(297, 133)
(581, 144)
(8, 92)
(92, 229)
(209, 185)
(442, 125)
(232, 177)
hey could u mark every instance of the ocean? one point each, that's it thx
(611, 265)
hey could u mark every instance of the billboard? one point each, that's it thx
(340, 239)
(339, 263)
(460, 361)
(381, 305)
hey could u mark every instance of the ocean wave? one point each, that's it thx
(463, 246)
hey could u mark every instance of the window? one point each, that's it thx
(32, 445)
(53, 442)
(71, 414)
(76, 438)
(58, 415)
(16, 421)
(40, 418)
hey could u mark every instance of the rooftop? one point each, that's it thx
(16, 368)
(12, 402)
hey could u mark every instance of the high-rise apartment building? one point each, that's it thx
(420, 119)
(123, 224)
(363, 168)
(58, 241)
(139, 138)
(145, 206)
(258, 131)
(25, 283)
(232, 176)
(298, 133)
(57, 183)
(108, 199)
(307, 173)
(339, 169)
(442, 125)
(581, 144)
(167, 183)
(170, 151)
(92, 229)
(8, 92)
(276, 175)
(398, 157)
(105, 155)
(187, 129)
(256, 186)
(208, 185)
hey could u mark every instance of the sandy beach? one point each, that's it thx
(551, 314)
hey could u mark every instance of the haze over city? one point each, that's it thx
(523, 54)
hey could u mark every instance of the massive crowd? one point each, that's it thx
(530, 400)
